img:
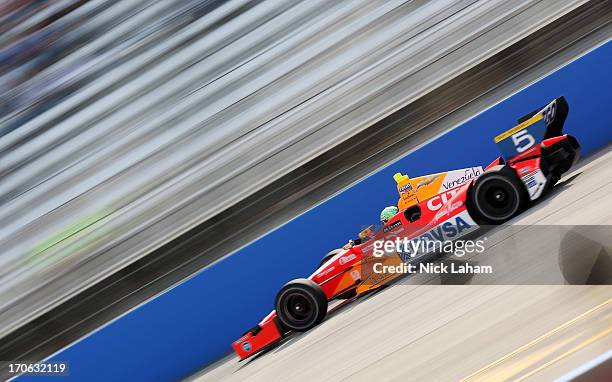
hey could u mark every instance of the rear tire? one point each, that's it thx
(497, 196)
(301, 305)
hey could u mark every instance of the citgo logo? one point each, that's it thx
(438, 201)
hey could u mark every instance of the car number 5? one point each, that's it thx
(522, 140)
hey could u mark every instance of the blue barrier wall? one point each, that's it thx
(193, 324)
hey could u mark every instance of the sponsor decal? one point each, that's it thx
(448, 209)
(392, 225)
(325, 272)
(405, 188)
(447, 230)
(549, 112)
(427, 181)
(246, 346)
(345, 259)
(355, 274)
(525, 170)
(530, 180)
(535, 182)
(438, 201)
(468, 175)
(516, 129)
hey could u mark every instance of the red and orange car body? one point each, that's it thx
(442, 200)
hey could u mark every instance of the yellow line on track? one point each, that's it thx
(539, 339)
(561, 356)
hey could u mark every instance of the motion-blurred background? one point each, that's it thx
(132, 132)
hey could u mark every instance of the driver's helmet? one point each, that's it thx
(388, 213)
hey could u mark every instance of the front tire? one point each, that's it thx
(497, 196)
(301, 305)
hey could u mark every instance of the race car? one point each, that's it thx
(441, 206)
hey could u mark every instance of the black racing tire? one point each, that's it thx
(497, 196)
(301, 305)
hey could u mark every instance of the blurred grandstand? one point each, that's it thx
(69, 72)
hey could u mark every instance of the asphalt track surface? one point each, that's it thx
(419, 330)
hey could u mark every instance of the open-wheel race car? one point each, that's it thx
(442, 206)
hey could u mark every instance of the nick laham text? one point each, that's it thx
(432, 268)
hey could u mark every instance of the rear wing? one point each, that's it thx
(543, 123)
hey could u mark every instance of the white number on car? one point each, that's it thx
(522, 140)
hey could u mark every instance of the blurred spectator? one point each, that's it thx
(33, 77)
